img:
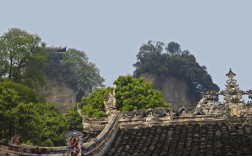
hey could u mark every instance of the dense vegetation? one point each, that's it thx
(93, 105)
(131, 94)
(22, 57)
(21, 113)
(74, 69)
(156, 58)
(23, 63)
(136, 94)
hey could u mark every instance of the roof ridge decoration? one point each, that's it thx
(232, 94)
(110, 103)
(233, 104)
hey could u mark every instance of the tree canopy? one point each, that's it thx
(36, 123)
(17, 111)
(153, 58)
(136, 94)
(131, 94)
(74, 68)
(93, 105)
(22, 57)
(24, 64)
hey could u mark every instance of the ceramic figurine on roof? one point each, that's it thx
(74, 140)
(110, 104)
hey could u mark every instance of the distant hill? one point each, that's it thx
(69, 76)
(57, 90)
(174, 72)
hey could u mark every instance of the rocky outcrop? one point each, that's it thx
(175, 91)
(59, 93)
(57, 90)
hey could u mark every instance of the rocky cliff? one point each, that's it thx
(59, 93)
(175, 91)
(57, 90)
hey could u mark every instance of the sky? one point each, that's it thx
(217, 32)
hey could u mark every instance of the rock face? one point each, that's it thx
(175, 91)
(60, 94)
(57, 90)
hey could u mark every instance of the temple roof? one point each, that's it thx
(186, 139)
(56, 49)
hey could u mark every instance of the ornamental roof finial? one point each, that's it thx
(230, 73)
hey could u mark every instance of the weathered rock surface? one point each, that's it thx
(175, 91)
(59, 93)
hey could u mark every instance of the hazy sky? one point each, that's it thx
(217, 32)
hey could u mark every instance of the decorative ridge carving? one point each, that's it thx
(110, 104)
(233, 105)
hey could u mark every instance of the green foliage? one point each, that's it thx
(22, 66)
(75, 69)
(27, 94)
(173, 48)
(73, 120)
(17, 116)
(53, 125)
(36, 123)
(25, 122)
(131, 94)
(175, 62)
(93, 105)
(135, 93)
(22, 57)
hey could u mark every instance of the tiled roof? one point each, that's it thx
(183, 140)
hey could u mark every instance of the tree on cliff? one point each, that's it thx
(75, 69)
(153, 59)
(22, 57)
(131, 94)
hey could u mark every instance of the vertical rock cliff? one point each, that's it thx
(59, 93)
(175, 91)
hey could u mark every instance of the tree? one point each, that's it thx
(17, 116)
(131, 94)
(151, 59)
(73, 120)
(82, 75)
(173, 48)
(22, 57)
(36, 123)
(27, 94)
(53, 125)
(26, 122)
(136, 94)
(93, 105)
